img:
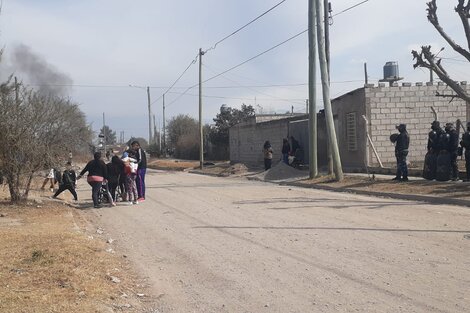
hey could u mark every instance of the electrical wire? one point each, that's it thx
(350, 8)
(238, 65)
(178, 79)
(244, 26)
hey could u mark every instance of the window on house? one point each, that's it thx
(351, 131)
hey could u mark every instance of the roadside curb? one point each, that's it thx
(427, 199)
(205, 174)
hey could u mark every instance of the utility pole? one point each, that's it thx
(366, 76)
(326, 22)
(150, 115)
(326, 94)
(105, 137)
(17, 93)
(312, 91)
(164, 129)
(201, 130)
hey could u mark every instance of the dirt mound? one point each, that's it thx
(235, 169)
(281, 171)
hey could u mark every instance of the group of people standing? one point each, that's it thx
(287, 150)
(442, 152)
(126, 173)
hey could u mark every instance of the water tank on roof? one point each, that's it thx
(391, 71)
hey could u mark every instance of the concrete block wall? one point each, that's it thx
(409, 104)
(247, 140)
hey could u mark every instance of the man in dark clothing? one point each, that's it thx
(402, 143)
(465, 143)
(141, 158)
(453, 147)
(68, 182)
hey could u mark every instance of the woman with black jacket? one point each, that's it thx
(115, 170)
(97, 173)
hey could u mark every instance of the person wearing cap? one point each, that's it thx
(402, 143)
(465, 143)
(68, 182)
(452, 148)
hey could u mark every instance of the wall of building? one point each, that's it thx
(409, 104)
(247, 140)
(351, 103)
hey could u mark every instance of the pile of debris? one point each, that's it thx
(281, 172)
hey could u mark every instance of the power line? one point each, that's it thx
(238, 65)
(256, 56)
(235, 98)
(244, 26)
(178, 79)
(350, 8)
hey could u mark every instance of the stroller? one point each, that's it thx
(104, 195)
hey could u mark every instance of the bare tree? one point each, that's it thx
(426, 59)
(36, 132)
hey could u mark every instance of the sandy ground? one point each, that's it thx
(210, 244)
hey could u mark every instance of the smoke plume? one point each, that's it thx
(36, 71)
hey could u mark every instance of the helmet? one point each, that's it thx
(435, 125)
(449, 126)
(401, 127)
(394, 137)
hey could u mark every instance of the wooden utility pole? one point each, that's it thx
(164, 129)
(312, 91)
(330, 124)
(201, 129)
(150, 115)
(105, 137)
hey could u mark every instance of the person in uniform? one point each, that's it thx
(433, 137)
(402, 143)
(452, 148)
(465, 143)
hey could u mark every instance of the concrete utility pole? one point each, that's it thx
(330, 124)
(326, 22)
(201, 130)
(366, 76)
(150, 115)
(164, 129)
(312, 92)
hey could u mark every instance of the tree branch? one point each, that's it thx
(426, 59)
(432, 18)
(463, 10)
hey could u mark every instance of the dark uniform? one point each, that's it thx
(433, 137)
(452, 148)
(465, 143)
(402, 143)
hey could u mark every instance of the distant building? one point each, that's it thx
(383, 106)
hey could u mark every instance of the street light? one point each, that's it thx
(149, 109)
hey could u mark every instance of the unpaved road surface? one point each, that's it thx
(211, 244)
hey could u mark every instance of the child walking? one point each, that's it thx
(130, 168)
(69, 180)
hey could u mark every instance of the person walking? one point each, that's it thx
(402, 143)
(465, 143)
(268, 155)
(97, 173)
(141, 169)
(50, 178)
(285, 151)
(68, 182)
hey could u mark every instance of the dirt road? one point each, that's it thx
(211, 244)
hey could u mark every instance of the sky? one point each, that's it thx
(107, 51)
